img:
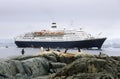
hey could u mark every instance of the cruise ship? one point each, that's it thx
(56, 38)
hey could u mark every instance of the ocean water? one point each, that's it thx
(9, 49)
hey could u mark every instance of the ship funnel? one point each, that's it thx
(53, 25)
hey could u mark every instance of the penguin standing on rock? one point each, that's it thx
(22, 52)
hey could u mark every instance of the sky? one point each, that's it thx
(94, 16)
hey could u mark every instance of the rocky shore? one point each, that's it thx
(58, 65)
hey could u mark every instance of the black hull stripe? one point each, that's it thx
(65, 44)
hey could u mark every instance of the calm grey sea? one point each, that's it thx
(10, 50)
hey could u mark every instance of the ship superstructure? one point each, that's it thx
(54, 38)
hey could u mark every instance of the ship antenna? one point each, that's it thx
(99, 34)
(81, 27)
(53, 19)
(71, 23)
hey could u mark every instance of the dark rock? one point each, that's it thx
(19, 67)
(58, 65)
(86, 68)
(64, 65)
(36, 66)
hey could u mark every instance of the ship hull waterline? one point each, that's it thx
(64, 44)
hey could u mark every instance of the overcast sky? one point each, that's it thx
(94, 16)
